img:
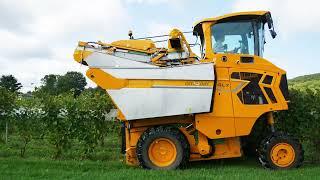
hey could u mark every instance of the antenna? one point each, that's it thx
(130, 34)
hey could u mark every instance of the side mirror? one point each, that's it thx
(273, 33)
(269, 20)
(270, 25)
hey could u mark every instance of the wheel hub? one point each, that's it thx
(162, 152)
(282, 154)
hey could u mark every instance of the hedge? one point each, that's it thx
(63, 118)
(303, 119)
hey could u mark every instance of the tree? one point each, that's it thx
(7, 104)
(55, 84)
(71, 80)
(6, 101)
(28, 121)
(97, 89)
(49, 84)
(57, 124)
(10, 83)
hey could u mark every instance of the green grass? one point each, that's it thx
(70, 169)
(107, 163)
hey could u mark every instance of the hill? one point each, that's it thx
(311, 81)
(304, 78)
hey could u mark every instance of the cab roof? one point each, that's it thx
(227, 16)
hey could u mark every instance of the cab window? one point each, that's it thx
(233, 37)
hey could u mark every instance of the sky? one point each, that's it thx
(38, 37)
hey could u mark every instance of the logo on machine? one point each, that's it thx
(223, 85)
(197, 83)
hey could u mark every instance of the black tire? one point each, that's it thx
(266, 146)
(174, 135)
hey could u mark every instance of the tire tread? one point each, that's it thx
(279, 136)
(158, 132)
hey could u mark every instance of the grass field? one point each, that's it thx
(108, 164)
(70, 169)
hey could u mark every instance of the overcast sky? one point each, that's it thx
(38, 36)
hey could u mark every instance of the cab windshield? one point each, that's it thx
(243, 37)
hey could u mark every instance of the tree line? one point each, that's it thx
(62, 110)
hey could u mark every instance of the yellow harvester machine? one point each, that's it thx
(177, 107)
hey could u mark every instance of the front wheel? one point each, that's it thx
(280, 151)
(162, 148)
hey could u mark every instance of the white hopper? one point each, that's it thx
(193, 96)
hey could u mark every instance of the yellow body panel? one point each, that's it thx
(220, 122)
(107, 81)
(146, 46)
(203, 146)
(132, 137)
(79, 55)
(228, 148)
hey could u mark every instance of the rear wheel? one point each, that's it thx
(280, 151)
(162, 148)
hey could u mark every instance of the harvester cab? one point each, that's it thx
(176, 107)
(239, 33)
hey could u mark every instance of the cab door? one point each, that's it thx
(251, 97)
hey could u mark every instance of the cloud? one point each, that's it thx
(153, 2)
(290, 16)
(38, 37)
(156, 28)
(176, 5)
(13, 16)
(57, 23)
(15, 46)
